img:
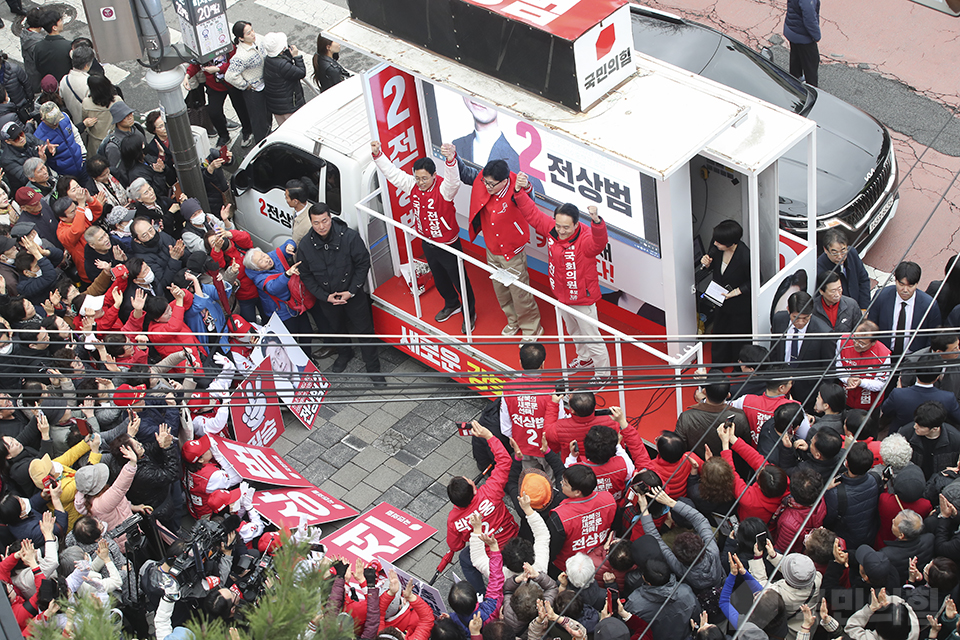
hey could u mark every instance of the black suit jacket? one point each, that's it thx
(882, 313)
(815, 353)
(902, 402)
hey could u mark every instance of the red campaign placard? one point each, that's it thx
(255, 408)
(285, 507)
(567, 19)
(400, 131)
(259, 464)
(311, 390)
(384, 532)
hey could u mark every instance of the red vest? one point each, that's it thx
(611, 476)
(586, 521)
(869, 364)
(436, 218)
(759, 409)
(197, 489)
(528, 413)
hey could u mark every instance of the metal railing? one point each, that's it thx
(691, 356)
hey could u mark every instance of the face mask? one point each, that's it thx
(25, 509)
(35, 275)
(7, 260)
(149, 277)
(198, 219)
(152, 242)
(6, 349)
(126, 227)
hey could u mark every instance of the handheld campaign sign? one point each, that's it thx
(285, 507)
(383, 531)
(428, 593)
(259, 464)
(255, 409)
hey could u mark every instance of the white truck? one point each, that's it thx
(643, 130)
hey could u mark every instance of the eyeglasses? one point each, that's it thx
(838, 252)
(491, 185)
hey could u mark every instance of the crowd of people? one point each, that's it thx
(812, 491)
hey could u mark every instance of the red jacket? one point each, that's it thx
(246, 288)
(199, 497)
(561, 432)
(586, 522)
(215, 81)
(173, 335)
(572, 262)
(753, 503)
(23, 610)
(70, 234)
(416, 622)
(759, 409)
(887, 509)
(505, 232)
(790, 521)
(488, 502)
(871, 364)
(675, 474)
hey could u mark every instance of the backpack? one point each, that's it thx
(301, 299)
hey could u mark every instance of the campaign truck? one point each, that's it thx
(563, 95)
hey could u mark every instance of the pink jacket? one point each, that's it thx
(112, 505)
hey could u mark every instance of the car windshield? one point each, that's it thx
(702, 50)
(737, 66)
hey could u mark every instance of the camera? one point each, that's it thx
(205, 544)
(253, 583)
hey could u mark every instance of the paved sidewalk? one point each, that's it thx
(389, 449)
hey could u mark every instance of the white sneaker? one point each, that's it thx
(510, 330)
(581, 364)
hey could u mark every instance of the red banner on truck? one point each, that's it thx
(400, 132)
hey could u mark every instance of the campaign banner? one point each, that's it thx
(396, 110)
(384, 531)
(286, 507)
(259, 464)
(428, 593)
(568, 19)
(295, 379)
(255, 409)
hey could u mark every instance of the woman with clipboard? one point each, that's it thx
(730, 261)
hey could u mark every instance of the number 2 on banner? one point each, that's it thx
(396, 87)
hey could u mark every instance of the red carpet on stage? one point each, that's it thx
(650, 402)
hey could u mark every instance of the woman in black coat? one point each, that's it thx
(730, 260)
(326, 67)
(157, 481)
(14, 79)
(283, 69)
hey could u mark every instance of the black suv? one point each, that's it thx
(856, 168)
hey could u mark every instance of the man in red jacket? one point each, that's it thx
(494, 212)
(524, 407)
(573, 248)
(487, 500)
(561, 432)
(583, 519)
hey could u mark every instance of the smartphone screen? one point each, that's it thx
(762, 540)
(223, 153)
(464, 428)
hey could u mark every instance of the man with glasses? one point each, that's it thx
(435, 217)
(18, 147)
(840, 257)
(863, 366)
(506, 233)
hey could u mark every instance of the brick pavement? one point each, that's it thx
(389, 450)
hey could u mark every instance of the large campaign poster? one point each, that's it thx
(297, 381)
(258, 464)
(428, 593)
(255, 408)
(286, 507)
(384, 531)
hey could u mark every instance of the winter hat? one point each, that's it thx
(92, 478)
(7, 243)
(50, 114)
(119, 110)
(40, 468)
(194, 449)
(748, 631)
(54, 410)
(49, 84)
(199, 262)
(118, 215)
(896, 451)
(798, 570)
(274, 43)
(611, 629)
(952, 493)
(189, 207)
(908, 484)
(127, 395)
(874, 564)
(22, 229)
(535, 484)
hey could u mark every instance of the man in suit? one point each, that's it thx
(935, 443)
(901, 310)
(487, 142)
(946, 344)
(900, 405)
(834, 308)
(838, 256)
(798, 347)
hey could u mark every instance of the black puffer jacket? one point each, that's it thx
(339, 263)
(157, 469)
(281, 78)
(16, 83)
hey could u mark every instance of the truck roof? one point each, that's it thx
(688, 115)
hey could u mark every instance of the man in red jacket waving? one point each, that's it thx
(487, 500)
(573, 248)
